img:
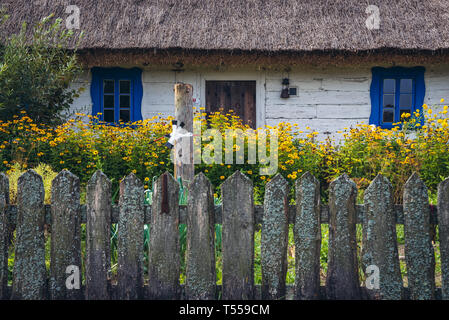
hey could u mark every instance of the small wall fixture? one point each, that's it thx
(285, 91)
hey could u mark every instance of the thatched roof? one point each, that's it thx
(260, 25)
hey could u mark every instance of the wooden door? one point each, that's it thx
(239, 96)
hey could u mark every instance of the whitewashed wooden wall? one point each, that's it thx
(329, 98)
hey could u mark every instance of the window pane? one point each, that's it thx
(125, 86)
(388, 115)
(405, 101)
(108, 115)
(406, 85)
(389, 85)
(124, 115)
(108, 101)
(124, 101)
(108, 86)
(388, 101)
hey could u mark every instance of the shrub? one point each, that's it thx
(44, 170)
(35, 72)
(419, 143)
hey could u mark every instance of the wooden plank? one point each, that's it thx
(29, 275)
(4, 234)
(379, 240)
(443, 219)
(65, 234)
(337, 111)
(419, 254)
(200, 255)
(130, 239)
(164, 257)
(274, 239)
(342, 280)
(323, 97)
(250, 105)
(297, 111)
(183, 163)
(238, 238)
(98, 235)
(307, 232)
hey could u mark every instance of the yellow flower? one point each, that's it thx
(147, 179)
(249, 172)
(222, 177)
(262, 177)
(442, 100)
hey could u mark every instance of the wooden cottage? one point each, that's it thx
(323, 64)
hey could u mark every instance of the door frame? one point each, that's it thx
(258, 77)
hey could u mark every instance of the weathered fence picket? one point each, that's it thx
(164, 256)
(98, 229)
(342, 281)
(274, 239)
(65, 233)
(443, 224)
(4, 234)
(130, 240)
(238, 238)
(200, 255)
(419, 254)
(307, 232)
(379, 242)
(239, 218)
(29, 274)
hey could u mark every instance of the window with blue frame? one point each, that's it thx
(395, 91)
(117, 94)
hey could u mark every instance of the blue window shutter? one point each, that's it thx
(397, 73)
(117, 74)
(375, 97)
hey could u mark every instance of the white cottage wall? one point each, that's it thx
(328, 100)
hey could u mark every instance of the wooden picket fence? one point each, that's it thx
(238, 216)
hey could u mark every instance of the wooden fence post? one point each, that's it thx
(419, 254)
(30, 274)
(307, 231)
(184, 166)
(4, 231)
(342, 280)
(379, 240)
(65, 234)
(443, 224)
(238, 238)
(130, 239)
(200, 256)
(98, 239)
(164, 256)
(274, 239)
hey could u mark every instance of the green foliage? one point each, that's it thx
(44, 170)
(35, 72)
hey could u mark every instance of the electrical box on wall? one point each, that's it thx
(293, 91)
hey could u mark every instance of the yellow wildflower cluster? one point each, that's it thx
(84, 144)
